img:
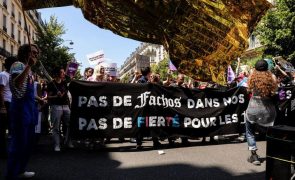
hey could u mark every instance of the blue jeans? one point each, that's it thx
(250, 135)
(260, 114)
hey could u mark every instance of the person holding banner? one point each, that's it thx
(99, 75)
(22, 113)
(136, 77)
(60, 110)
(146, 78)
(179, 83)
(261, 111)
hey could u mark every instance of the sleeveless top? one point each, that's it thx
(22, 107)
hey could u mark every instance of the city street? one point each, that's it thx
(223, 160)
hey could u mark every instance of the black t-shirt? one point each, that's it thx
(53, 88)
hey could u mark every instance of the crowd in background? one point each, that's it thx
(50, 103)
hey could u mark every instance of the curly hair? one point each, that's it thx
(262, 82)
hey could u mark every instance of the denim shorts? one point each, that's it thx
(261, 111)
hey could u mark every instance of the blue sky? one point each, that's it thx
(88, 38)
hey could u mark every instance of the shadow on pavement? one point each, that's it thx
(82, 164)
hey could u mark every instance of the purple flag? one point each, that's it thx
(230, 74)
(171, 66)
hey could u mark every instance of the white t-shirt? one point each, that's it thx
(4, 81)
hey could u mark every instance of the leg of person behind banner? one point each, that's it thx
(139, 137)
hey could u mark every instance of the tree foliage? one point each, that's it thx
(277, 30)
(53, 54)
(161, 68)
(125, 79)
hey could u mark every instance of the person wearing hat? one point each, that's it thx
(261, 111)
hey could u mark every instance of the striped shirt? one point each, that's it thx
(17, 68)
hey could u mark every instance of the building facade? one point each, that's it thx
(143, 56)
(13, 32)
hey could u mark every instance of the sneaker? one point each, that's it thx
(132, 140)
(57, 149)
(254, 159)
(26, 175)
(241, 138)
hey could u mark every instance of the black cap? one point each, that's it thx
(261, 65)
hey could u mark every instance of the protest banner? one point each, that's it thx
(95, 58)
(122, 110)
(116, 110)
(111, 69)
(71, 69)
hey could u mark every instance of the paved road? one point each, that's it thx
(121, 161)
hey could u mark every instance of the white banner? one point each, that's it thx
(110, 68)
(95, 58)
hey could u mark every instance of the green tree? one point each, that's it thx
(125, 78)
(53, 54)
(161, 68)
(276, 30)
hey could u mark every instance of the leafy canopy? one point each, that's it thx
(53, 55)
(276, 31)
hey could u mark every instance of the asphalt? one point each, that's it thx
(225, 159)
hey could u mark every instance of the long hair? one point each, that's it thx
(24, 52)
(97, 70)
(262, 82)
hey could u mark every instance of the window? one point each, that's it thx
(11, 49)
(4, 23)
(12, 10)
(18, 35)
(4, 44)
(12, 30)
(25, 40)
(5, 3)
(19, 18)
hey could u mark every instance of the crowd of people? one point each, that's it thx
(29, 106)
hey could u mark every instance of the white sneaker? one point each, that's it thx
(26, 175)
(57, 149)
(241, 138)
